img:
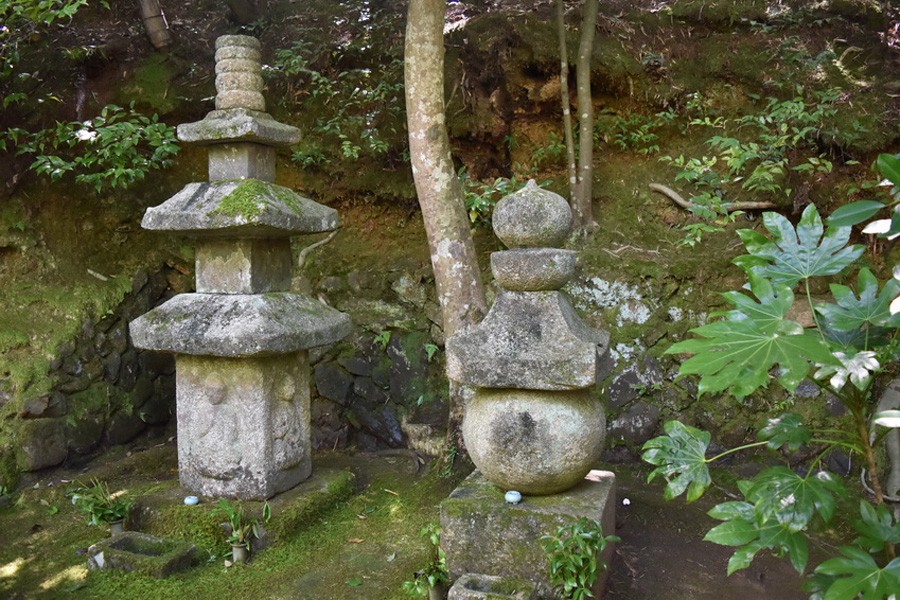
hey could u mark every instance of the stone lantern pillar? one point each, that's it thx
(241, 341)
(534, 424)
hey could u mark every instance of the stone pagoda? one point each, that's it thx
(241, 341)
(535, 424)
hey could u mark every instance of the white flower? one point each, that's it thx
(857, 368)
(86, 135)
(895, 303)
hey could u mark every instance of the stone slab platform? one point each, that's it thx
(141, 553)
(481, 533)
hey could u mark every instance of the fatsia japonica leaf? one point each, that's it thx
(854, 213)
(787, 429)
(738, 353)
(680, 457)
(742, 528)
(869, 312)
(860, 576)
(876, 527)
(795, 255)
(792, 500)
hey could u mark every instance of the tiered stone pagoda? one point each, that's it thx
(535, 425)
(241, 341)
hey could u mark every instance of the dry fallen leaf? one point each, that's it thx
(355, 540)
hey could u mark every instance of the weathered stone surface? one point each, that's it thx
(532, 217)
(473, 586)
(356, 365)
(537, 442)
(247, 208)
(533, 269)
(481, 533)
(124, 426)
(637, 425)
(243, 425)
(241, 160)
(249, 266)
(141, 553)
(84, 434)
(333, 382)
(226, 99)
(41, 443)
(531, 340)
(239, 325)
(238, 125)
(240, 41)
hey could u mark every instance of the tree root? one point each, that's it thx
(728, 206)
(305, 252)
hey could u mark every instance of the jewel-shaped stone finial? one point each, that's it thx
(532, 217)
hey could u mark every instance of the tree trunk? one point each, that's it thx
(584, 214)
(155, 23)
(458, 280)
(566, 104)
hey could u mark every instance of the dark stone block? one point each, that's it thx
(41, 444)
(635, 426)
(356, 365)
(84, 434)
(333, 382)
(369, 393)
(124, 427)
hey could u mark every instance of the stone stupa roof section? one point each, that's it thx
(240, 208)
(234, 325)
(238, 125)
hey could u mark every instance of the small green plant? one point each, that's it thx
(553, 152)
(635, 132)
(243, 527)
(434, 573)
(430, 351)
(382, 339)
(100, 505)
(573, 557)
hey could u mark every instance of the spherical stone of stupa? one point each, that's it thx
(534, 441)
(533, 269)
(532, 217)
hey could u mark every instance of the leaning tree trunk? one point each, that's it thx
(458, 280)
(566, 104)
(155, 23)
(584, 213)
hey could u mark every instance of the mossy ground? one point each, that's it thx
(371, 540)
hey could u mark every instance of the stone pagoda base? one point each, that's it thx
(243, 424)
(481, 533)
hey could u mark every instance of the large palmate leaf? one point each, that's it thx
(779, 493)
(876, 527)
(743, 529)
(795, 255)
(738, 353)
(860, 576)
(787, 429)
(868, 312)
(680, 457)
